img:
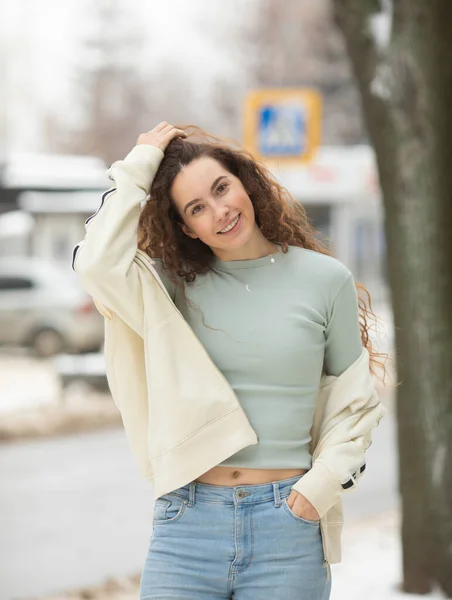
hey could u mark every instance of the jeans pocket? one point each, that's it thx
(314, 524)
(168, 509)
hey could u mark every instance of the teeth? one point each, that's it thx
(229, 227)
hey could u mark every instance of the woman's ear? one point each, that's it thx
(188, 231)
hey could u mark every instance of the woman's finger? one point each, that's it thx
(174, 132)
(161, 135)
(161, 126)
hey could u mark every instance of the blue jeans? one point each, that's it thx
(243, 543)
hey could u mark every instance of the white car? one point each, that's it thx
(43, 307)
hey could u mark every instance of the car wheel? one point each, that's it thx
(47, 342)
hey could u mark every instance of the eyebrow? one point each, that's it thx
(212, 187)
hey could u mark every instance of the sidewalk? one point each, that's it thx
(371, 568)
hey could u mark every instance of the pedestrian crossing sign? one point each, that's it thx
(282, 124)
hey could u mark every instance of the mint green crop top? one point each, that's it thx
(271, 325)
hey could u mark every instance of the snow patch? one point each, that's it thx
(438, 465)
(40, 385)
(372, 562)
(380, 28)
(380, 25)
(380, 85)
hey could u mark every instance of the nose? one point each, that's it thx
(221, 211)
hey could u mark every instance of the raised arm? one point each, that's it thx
(105, 258)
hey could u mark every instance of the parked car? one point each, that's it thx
(43, 307)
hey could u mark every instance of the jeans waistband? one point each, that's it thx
(243, 494)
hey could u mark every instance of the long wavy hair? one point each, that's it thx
(281, 219)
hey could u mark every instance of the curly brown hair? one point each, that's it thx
(281, 219)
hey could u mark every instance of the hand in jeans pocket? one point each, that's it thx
(301, 507)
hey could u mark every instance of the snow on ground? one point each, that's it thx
(371, 567)
(26, 383)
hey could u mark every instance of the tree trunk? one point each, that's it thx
(406, 92)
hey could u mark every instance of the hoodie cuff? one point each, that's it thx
(320, 487)
(141, 164)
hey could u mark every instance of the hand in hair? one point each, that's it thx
(161, 136)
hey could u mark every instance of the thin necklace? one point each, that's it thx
(272, 260)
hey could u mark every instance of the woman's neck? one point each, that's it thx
(257, 247)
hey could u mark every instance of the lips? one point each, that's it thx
(234, 221)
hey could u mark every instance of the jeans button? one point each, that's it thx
(242, 494)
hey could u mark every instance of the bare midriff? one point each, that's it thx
(239, 476)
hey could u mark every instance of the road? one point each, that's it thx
(74, 511)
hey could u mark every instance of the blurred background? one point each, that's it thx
(79, 81)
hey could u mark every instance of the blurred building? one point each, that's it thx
(340, 192)
(15, 231)
(43, 198)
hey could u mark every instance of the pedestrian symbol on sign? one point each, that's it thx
(282, 125)
(282, 130)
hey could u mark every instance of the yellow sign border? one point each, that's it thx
(308, 97)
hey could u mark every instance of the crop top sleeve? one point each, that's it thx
(343, 344)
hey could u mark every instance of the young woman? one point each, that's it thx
(275, 313)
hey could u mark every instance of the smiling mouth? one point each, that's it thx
(232, 226)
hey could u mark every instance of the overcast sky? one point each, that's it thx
(41, 40)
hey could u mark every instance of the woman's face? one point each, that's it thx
(210, 200)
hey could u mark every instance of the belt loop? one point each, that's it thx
(276, 494)
(191, 494)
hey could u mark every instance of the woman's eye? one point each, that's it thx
(193, 212)
(222, 187)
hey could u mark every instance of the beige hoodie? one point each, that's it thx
(179, 424)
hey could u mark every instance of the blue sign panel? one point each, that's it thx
(282, 130)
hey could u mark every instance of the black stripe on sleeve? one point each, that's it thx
(74, 254)
(104, 197)
(351, 482)
(348, 484)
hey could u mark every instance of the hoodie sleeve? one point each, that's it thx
(104, 260)
(350, 409)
